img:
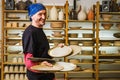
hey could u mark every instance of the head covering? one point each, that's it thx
(34, 8)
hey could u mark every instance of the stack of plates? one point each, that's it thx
(60, 51)
(59, 66)
(65, 51)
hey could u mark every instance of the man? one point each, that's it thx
(35, 43)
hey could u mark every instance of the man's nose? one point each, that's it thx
(43, 16)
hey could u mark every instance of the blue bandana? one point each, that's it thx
(34, 8)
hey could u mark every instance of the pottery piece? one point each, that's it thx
(73, 35)
(75, 49)
(74, 61)
(106, 17)
(81, 14)
(60, 51)
(16, 76)
(90, 14)
(15, 60)
(66, 67)
(28, 2)
(41, 67)
(21, 5)
(107, 26)
(6, 69)
(87, 35)
(53, 13)
(118, 25)
(73, 15)
(56, 25)
(57, 34)
(61, 15)
(10, 5)
(117, 35)
(73, 42)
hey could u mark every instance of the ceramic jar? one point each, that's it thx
(20, 60)
(15, 60)
(12, 77)
(28, 2)
(6, 69)
(73, 15)
(11, 68)
(81, 14)
(21, 76)
(16, 68)
(17, 77)
(7, 76)
(60, 15)
(21, 68)
(10, 4)
(21, 5)
(53, 13)
(90, 14)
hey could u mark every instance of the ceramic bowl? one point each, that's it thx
(57, 34)
(106, 17)
(56, 24)
(117, 35)
(74, 61)
(88, 43)
(86, 52)
(107, 26)
(117, 43)
(73, 42)
(118, 25)
(87, 35)
(105, 43)
(73, 35)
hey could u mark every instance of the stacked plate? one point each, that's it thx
(59, 66)
(60, 51)
(65, 51)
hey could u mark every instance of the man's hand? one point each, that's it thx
(61, 45)
(46, 63)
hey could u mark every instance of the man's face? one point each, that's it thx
(39, 18)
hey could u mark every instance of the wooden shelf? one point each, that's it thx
(11, 63)
(112, 13)
(109, 71)
(89, 21)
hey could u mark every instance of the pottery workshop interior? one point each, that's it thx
(88, 30)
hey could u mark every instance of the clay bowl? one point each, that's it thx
(117, 35)
(74, 61)
(57, 34)
(106, 17)
(86, 52)
(118, 25)
(107, 26)
(105, 43)
(88, 43)
(73, 42)
(73, 35)
(87, 35)
(56, 24)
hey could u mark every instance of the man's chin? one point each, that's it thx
(42, 24)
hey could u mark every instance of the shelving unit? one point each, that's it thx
(109, 55)
(11, 40)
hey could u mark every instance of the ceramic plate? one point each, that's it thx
(42, 59)
(55, 67)
(76, 49)
(67, 66)
(60, 51)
